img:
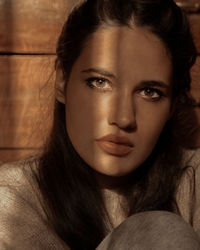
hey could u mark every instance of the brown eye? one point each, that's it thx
(98, 83)
(151, 93)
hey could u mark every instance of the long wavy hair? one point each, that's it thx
(71, 197)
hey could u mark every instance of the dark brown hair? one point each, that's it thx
(72, 199)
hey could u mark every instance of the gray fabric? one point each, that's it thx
(155, 230)
(23, 225)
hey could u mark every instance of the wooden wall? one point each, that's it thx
(28, 34)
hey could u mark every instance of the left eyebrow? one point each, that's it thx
(149, 83)
(99, 71)
(155, 83)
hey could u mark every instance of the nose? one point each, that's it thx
(123, 112)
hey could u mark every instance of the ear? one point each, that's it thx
(60, 85)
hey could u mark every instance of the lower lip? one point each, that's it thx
(114, 148)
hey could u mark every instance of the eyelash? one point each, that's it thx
(90, 81)
(152, 90)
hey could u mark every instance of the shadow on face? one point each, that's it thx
(118, 98)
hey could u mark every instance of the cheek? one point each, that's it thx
(77, 115)
(151, 123)
(78, 125)
(83, 120)
(85, 110)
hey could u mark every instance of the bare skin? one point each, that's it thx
(120, 84)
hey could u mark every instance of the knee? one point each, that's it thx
(152, 230)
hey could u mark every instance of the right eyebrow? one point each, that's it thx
(100, 71)
(155, 83)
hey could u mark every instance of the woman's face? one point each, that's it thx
(120, 86)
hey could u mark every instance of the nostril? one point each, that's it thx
(123, 115)
(130, 128)
(127, 125)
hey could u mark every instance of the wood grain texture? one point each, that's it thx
(194, 123)
(32, 26)
(11, 155)
(195, 28)
(195, 86)
(25, 99)
(195, 112)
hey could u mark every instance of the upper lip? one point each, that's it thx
(116, 139)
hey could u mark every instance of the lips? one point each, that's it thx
(116, 145)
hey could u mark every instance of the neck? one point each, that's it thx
(114, 183)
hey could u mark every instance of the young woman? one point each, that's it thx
(114, 152)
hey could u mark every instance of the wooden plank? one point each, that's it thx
(190, 6)
(193, 16)
(11, 155)
(195, 85)
(193, 115)
(25, 99)
(195, 73)
(195, 28)
(32, 26)
(194, 142)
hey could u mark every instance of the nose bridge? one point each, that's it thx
(123, 113)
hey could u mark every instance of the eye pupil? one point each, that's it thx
(98, 83)
(149, 91)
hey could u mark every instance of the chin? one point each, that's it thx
(112, 179)
(114, 172)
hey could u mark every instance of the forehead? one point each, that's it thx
(127, 51)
